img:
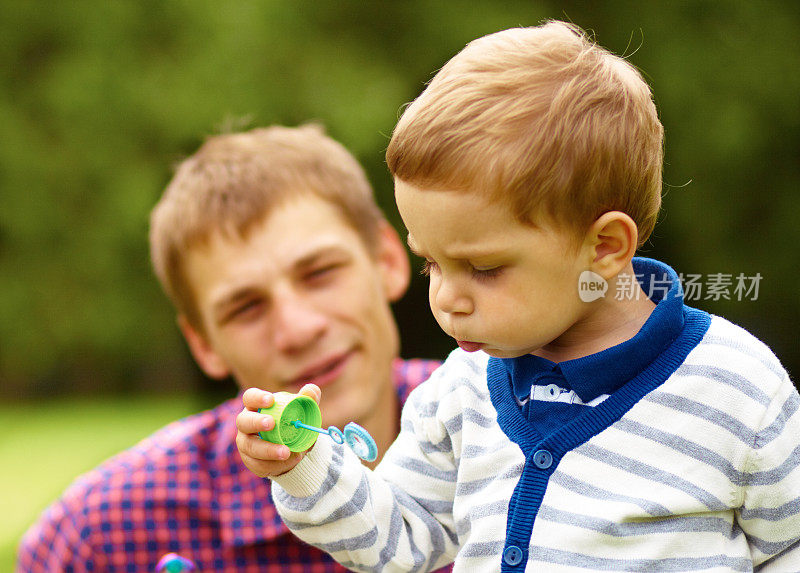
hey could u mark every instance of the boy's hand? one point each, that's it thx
(264, 458)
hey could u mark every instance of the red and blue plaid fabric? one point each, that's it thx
(183, 490)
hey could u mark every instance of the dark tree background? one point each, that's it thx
(100, 99)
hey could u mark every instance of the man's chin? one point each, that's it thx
(347, 405)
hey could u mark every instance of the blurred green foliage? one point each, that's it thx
(100, 99)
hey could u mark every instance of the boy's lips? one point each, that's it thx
(323, 372)
(469, 346)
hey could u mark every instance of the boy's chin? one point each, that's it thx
(503, 353)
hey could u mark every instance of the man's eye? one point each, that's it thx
(245, 310)
(321, 272)
(428, 267)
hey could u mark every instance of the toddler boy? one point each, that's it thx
(574, 429)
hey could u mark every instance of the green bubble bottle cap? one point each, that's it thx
(287, 409)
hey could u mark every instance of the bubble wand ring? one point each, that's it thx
(174, 563)
(297, 419)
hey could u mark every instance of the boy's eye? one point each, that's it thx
(428, 267)
(489, 273)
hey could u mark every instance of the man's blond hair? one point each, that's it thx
(234, 181)
(542, 119)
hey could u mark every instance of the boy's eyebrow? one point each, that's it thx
(412, 245)
(467, 254)
(473, 252)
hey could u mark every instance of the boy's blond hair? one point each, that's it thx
(234, 181)
(544, 120)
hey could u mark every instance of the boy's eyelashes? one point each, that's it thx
(486, 273)
(429, 267)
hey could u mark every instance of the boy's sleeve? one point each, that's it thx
(770, 514)
(397, 518)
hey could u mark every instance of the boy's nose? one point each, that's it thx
(298, 324)
(451, 299)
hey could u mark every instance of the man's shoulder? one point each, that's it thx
(171, 459)
(191, 437)
(414, 370)
(408, 373)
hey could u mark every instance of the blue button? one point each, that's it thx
(542, 459)
(512, 555)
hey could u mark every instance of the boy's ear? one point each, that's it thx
(613, 239)
(203, 353)
(393, 262)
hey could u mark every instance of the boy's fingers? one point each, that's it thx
(261, 457)
(271, 469)
(255, 398)
(312, 391)
(260, 450)
(249, 422)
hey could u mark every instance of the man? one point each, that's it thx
(281, 268)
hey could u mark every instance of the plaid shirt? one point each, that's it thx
(183, 490)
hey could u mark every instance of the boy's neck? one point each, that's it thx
(608, 323)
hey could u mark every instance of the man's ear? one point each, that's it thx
(613, 239)
(393, 262)
(203, 353)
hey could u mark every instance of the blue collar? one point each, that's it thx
(608, 370)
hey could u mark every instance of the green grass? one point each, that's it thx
(45, 445)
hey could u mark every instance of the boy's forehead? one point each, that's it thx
(467, 225)
(473, 244)
(421, 207)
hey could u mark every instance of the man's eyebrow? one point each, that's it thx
(233, 298)
(312, 257)
(304, 261)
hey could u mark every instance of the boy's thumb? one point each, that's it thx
(312, 391)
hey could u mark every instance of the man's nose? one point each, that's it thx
(298, 323)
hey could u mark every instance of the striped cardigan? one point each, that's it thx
(691, 466)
